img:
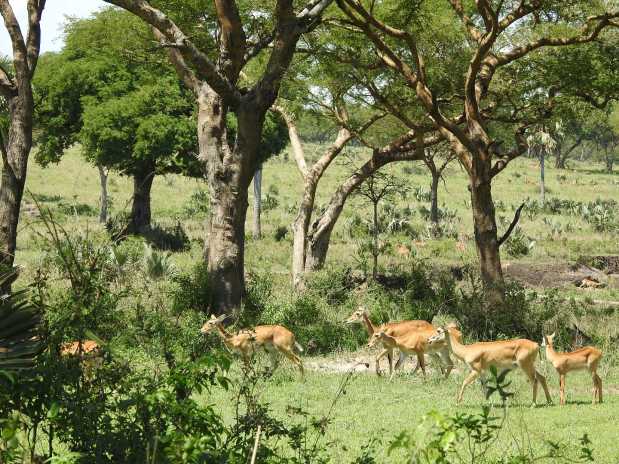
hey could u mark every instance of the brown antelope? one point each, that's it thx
(508, 354)
(89, 353)
(272, 338)
(585, 358)
(416, 342)
(395, 329)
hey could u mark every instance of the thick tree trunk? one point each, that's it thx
(103, 199)
(434, 199)
(140, 219)
(14, 166)
(257, 229)
(485, 228)
(229, 172)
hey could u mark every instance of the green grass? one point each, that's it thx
(374, 408)
(74, 182)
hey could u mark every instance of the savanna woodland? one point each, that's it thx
(309, 231)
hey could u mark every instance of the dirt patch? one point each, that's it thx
(548, 275)
(362, 363)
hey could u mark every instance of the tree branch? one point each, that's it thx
(33, 45)
(20, 54)
(511, 227)
(182, 69)
(587, 35)
(295, 140)
(176, 37)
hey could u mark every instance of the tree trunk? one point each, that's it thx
(140, 219)
(257, 230)
(103, 175)
(319, 235)
(484, 224)
(300, 229)
(434, 199)
(542, 176)
(375, 240)
(14, 166)
(610, 160)
(230, 172)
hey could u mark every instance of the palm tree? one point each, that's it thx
(20, 318)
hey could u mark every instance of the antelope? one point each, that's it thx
(395, 329)
(508, 354)
(272, 338)
(416, 342)
(88, 351)
(584, 358)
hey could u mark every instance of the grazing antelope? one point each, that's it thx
(395, 329)
(508, 354)
(272, 338)
(585, 358)
(416, 342)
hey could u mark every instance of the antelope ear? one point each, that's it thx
(552, 335)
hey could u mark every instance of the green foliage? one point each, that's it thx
(518, 244)
(192, 290)
(157, 265)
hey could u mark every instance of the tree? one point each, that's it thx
(209, 48)
(16, 139)
(121, 103)
(497, 35)
(542, 143)
(376, 188)
(436, 171)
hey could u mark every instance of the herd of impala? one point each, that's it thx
(409, 338)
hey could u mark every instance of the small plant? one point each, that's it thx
(199, 204)
(518, 244)
(157, 265)
(270, 201)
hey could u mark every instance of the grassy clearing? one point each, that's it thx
(75, 183)
(374, 408)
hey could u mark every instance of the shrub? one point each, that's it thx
(192, 290)
(168, 238)
(280, 233)
(199, 204)
(518, 244)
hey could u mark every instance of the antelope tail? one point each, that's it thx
(298, 347)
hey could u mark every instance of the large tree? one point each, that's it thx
(107, 91)
(211, 46)
(16, 141)
(495, 35)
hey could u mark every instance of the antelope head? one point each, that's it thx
(439, 337)
(357, 316)
(212, 323)
(377, 337)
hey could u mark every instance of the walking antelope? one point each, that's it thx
(585, 358)
(272, 338)
(416, 342)
(395, 329)
(508, 354)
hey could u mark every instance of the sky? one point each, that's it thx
(53, 20)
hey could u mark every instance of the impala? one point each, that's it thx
(416, 342)
(395, 329)
(508, 354)
(585, 358)
(272, 338)
(89, 353)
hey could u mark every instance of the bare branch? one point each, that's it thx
(33, 45)
(20, 54)
(512, 226)
(182, 69)
(295, 140)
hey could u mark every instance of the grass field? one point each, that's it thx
(372, 408)
(74, 182)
